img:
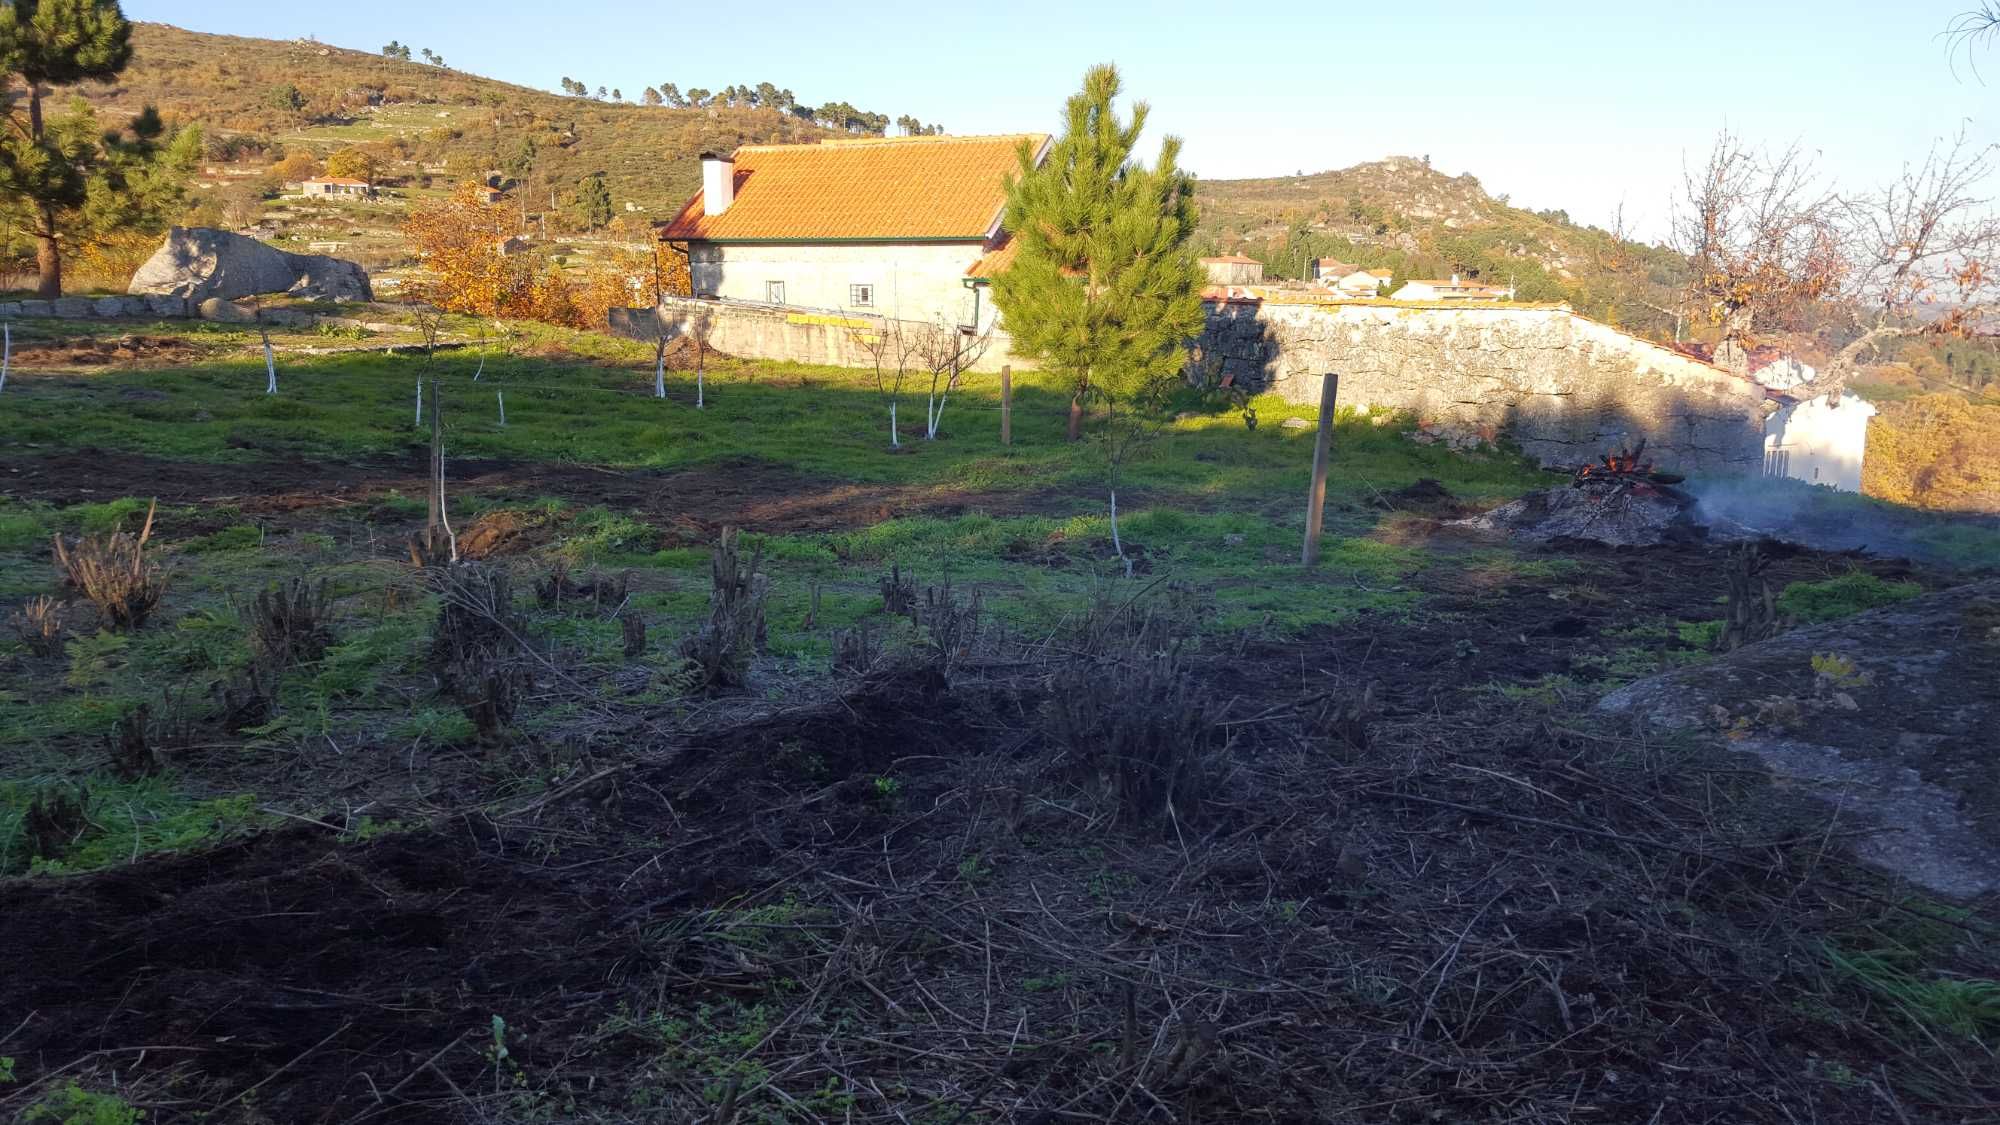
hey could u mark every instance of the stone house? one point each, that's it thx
(1233, 269)
(901, 227)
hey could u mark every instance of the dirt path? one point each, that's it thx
(751, 495)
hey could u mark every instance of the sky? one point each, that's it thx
(1571, 105)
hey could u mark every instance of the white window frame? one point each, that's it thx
(774, 292)
(861, 294)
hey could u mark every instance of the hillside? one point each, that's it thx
(426, 115)
(1401, 214)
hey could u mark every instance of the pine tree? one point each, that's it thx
(593, 202)
(1104, 290)
(65, 179)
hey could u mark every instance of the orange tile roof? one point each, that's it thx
(995, 261)
(860, 190)
(1234, 259)
(342, 180)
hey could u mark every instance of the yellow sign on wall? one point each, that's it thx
(829, 320)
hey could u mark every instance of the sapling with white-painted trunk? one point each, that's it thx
(6, 351)
(698, 327)
(270, 364)
(660, 363)
(892, 347)
(501, 398)
(1134, 413)
(420, 400)
(439, 518)
(945, 350)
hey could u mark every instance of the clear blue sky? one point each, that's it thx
(1559, 104)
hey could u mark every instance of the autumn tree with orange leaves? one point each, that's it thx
(463, 243)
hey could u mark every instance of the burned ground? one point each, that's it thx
(905, 903)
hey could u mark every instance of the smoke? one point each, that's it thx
(1825, 519)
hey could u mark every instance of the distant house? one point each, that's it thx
(335, 186)
(1233, 269)
(488, 195)
(903, 227)
(1352, 281)
(1821, 440)
(511, 245)
(1453, 290)
(1328, 270)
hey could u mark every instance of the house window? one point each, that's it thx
(861, 296)
(774, 292)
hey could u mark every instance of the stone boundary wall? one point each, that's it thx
(161, 307)
(1563, 387)
(774, 333)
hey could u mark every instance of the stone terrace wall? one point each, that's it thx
(154, 306)
(1563, 387)
(769, 332)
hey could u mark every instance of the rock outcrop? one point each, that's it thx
(1890, 715)
(198, 263)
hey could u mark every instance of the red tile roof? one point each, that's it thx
(943, 188)
(341, 180)
(1234, 259)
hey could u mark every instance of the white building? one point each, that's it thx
(1417, 289)
(1819, 440)
(902, 227)
(335, 186)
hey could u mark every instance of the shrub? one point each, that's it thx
(115, 574)
(40, 626)
(1811, 602)
(288, 624)
(720, 650)
(476, 647)
(1140, 727)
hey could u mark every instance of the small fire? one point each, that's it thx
(1623, 463)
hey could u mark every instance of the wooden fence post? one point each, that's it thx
(1007, 404)
(1329, 390)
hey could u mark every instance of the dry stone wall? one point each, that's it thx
(1562, 387)
(776, 333)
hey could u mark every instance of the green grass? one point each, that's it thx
(1895, 974)
(123, 819)
(817, 420)
(1810, 603)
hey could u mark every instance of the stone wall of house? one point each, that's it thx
(1562, 387)
(767, 332)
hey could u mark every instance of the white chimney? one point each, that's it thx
(718, 183)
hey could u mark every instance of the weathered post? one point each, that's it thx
(1007, 404)
(1329, 390)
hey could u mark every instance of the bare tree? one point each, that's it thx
(1919, 258)
(892, 347)
(1760, 232)
(944, 350)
